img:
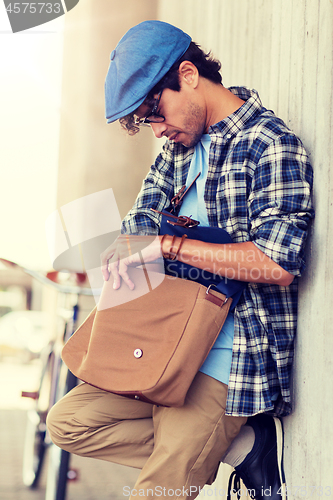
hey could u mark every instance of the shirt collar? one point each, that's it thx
(238, 120)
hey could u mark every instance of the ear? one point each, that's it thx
(188, 74)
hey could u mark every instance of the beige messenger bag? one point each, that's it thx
(148, 343)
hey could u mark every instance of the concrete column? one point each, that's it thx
(93, 155)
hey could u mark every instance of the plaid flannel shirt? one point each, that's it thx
(258, 189)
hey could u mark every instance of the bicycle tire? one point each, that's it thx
(63, 475)
(34, 450)
(56, 485)
(34, 444)
(59, 461)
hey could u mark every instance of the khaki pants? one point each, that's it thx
(178, 449)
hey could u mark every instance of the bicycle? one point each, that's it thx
(55, 381)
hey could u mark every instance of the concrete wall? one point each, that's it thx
(283, 48)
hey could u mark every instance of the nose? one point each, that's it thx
(159, 129)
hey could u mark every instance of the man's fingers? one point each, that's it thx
(116, 281)
(114, 271)
(119, 272)
(124, 275)
(131, 249)
(105, 257)
(105, 273)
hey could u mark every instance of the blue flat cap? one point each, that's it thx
(142, 57)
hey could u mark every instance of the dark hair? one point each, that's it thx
(207, 66)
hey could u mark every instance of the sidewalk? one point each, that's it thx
(97, 480)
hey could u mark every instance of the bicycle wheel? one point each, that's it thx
(34, 444)
(56, 485)
(59, 460)
(34, 450)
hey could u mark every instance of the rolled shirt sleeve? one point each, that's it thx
(280, 205)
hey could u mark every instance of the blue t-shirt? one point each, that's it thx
(218, 361)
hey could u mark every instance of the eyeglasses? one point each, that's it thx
(153, 116)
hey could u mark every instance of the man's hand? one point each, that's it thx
(128, 250)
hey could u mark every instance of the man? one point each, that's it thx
(255, 182)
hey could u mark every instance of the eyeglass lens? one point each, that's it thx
(154, 117)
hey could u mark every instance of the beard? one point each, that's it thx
(194, 124)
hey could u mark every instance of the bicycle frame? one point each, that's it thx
(56, 381)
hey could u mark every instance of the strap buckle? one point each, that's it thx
(213, 298)
(180, 220)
